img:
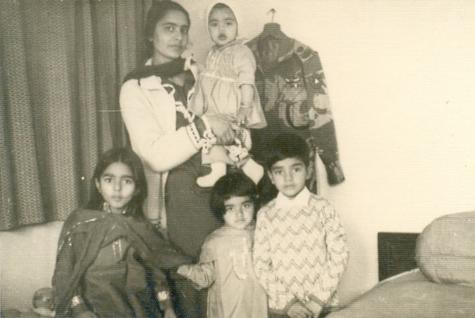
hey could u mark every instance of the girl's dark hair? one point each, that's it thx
(129, 158)
(157, 11)
(284, 146)
(234, 184)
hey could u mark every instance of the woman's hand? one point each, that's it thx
(221, 126)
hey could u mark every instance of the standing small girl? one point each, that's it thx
(226, 86)
(110, 259)
(225, 261)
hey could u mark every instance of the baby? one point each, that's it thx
(226, 86)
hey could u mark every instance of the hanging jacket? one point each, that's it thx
(293, 92)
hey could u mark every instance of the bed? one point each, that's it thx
(438, 273)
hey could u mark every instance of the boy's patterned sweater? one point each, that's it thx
(300, 250)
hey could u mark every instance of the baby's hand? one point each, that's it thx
(298, 310)
(243, 114)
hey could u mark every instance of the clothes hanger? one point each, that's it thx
(272, 28)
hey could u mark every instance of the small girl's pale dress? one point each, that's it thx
(226, 268)
(218, 90)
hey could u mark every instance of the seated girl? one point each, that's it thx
(110, 259)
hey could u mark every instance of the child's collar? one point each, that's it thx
(300, 199)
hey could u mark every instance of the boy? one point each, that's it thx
(300, 250)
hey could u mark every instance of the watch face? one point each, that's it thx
(162, 295)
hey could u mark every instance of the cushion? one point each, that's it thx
(445, 250)
(412, 296)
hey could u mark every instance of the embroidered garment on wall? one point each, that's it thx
(293, 93)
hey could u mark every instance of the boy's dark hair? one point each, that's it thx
(284, 146)
(157, 11)
(129, 158)
(234, 184)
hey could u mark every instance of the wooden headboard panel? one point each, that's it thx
(396, 253)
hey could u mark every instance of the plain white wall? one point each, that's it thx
(400, 76)
(401, 79)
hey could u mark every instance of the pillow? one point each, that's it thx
(412, 296)
(445, 250)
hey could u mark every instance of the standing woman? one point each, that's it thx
(168, 138)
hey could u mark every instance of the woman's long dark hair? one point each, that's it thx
(129, 158)
(157, 11)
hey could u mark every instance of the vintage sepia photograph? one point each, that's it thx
(237, 158)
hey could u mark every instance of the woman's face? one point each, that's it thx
(170, 37)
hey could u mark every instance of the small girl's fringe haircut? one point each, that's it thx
(234, 184)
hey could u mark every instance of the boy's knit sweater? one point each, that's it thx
(300, 250)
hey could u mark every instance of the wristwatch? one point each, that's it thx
(163, 295)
